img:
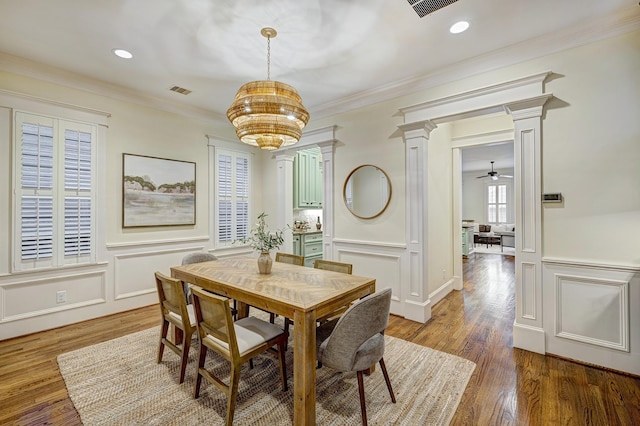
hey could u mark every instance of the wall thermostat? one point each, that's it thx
(555, 197)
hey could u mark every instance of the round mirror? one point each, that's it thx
(367, 191)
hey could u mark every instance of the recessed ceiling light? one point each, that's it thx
(125, 54)
(459, 27)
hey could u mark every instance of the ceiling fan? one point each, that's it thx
(493, 174)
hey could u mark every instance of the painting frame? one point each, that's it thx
(157, 191)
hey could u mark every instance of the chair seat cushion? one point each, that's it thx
(250, 333)
(190, 311)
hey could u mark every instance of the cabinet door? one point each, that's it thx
(302, 180)
(296, 245)
(307, 179)
(315, 179)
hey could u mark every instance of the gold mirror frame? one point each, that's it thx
(348, 201)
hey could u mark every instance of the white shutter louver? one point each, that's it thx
(242, 197)
(37, 156)
(36, 209)
(77, 180)
(224, 199)
(36, 227)
(77, 226)
(77, 160)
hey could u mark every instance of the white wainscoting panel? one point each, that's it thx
(80, 288)
(382, 262)
(134, 272)
(592, 311)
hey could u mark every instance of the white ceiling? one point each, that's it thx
(339, 54)
(478, 158)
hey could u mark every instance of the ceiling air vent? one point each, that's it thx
(181, 90)
(425, 7)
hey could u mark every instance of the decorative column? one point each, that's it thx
(284, 194)
(528, 332)
(417, 305)
(328, 207)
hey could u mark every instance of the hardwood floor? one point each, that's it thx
(509, 386)
(512, 386)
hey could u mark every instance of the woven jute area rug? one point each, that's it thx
(118, 382)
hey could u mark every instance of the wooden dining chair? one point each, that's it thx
(355, 342)
(328, 265)
(175, 310)
(237, 342)
(292, 259)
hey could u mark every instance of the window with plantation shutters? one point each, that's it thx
(55, 163)
(498, 205)
(232, 195)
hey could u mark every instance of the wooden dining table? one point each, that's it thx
(296, 292)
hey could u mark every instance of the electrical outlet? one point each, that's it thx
(444, 274)
(61, 296)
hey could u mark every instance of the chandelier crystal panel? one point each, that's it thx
(268, 114)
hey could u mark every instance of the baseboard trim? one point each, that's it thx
(441, 292)
(417, 311)
(599, 367)
(529, 338)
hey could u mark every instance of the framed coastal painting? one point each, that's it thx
(157, 191)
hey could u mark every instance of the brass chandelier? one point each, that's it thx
(267, 113)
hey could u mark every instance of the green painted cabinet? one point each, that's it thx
(308, 245)
(307, 179)
(467, 241)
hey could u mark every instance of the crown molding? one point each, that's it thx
(48, 73)
(621, 22)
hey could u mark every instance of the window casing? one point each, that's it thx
(232, 195)
(54, 187)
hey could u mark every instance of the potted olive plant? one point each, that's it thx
(262, 240)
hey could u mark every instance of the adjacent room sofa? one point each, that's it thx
(503, 234)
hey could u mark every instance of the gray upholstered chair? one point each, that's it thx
(199, 257)
(195, 257)
(355, 342)
(237, 342)
(175, 311)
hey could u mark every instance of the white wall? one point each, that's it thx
(439, 210)
(590, 154)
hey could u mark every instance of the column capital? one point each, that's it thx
(527, 108)
(285, 155)
(418, 129)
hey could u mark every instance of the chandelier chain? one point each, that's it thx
(268, 58)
